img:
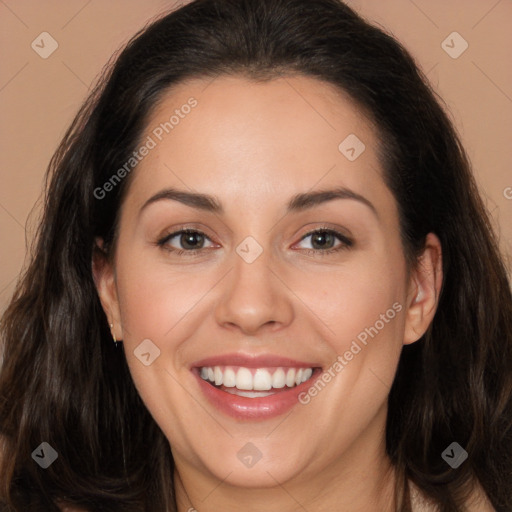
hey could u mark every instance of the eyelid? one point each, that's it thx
(337, 231)
(178, 228)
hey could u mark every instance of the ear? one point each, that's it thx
(424, 289)
(105, 281)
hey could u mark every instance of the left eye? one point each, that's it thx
(324, 239)
(188, 240)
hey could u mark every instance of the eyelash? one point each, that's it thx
(346, 243)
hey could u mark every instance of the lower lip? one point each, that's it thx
(262, 408)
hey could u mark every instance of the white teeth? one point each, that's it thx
(248, 394)
(278, 378)
(244, 379)
(229, 378)
(290, 378)
(307, 374)
(262, 380)
(217, 372)
(259, 379)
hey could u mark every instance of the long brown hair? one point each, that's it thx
(64, 382)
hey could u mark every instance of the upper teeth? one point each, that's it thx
(259, 379)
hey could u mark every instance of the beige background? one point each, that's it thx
(39, 97)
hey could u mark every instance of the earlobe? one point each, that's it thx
(104, 279)
(424, 290)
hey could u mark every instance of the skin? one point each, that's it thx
(254, 146)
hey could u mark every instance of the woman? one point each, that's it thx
(264, 280)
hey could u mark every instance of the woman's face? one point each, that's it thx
(299, 275)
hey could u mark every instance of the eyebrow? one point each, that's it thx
(297, 203)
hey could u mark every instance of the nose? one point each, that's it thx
(254, 299)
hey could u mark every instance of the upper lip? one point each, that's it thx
(252, 361)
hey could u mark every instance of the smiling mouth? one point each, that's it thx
(255, 382)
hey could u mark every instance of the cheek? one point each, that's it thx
(357, 300)
(161, 305)
(155, 297)
(369, 331)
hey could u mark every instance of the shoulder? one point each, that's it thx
(477, 501)
(69, 508)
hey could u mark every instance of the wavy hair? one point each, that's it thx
(64, 382)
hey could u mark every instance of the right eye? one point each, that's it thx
(190, 240)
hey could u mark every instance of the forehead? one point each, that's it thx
(292, 105)
(233, 133)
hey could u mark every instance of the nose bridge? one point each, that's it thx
(253, 296)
